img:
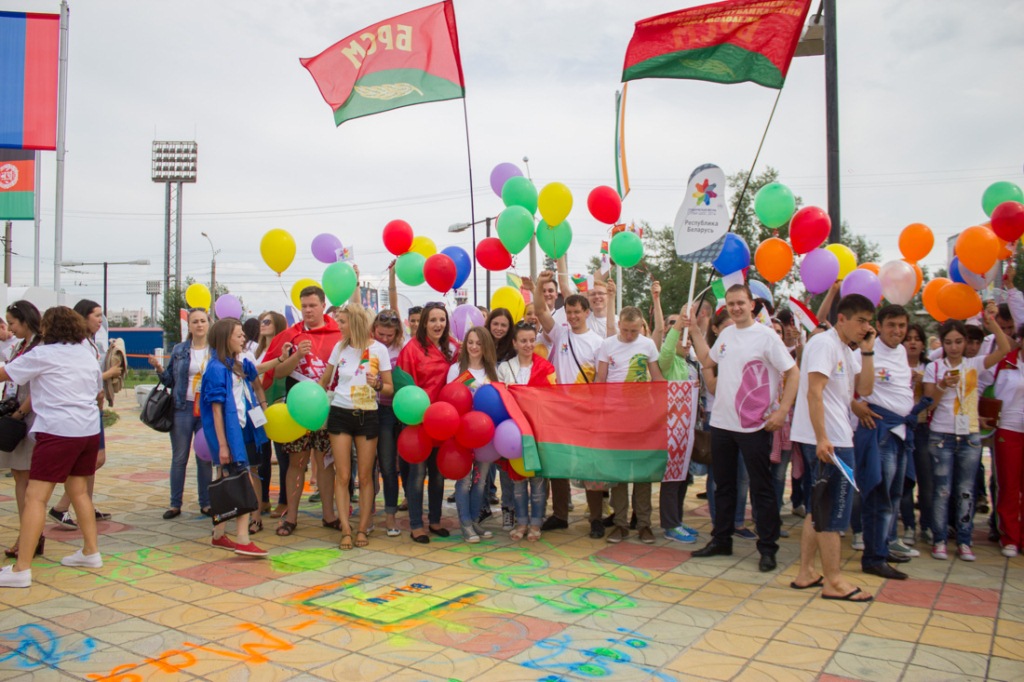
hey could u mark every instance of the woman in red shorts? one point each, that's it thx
(65, 384)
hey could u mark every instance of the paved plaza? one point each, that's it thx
(168, 606)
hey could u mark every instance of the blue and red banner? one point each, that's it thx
(29, 54)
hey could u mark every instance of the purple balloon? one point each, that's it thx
(228, 306)
(508, 440)
(863, 282)
(326, 248)
(500, 175)
(465, 317)
(201, 447)
(487, 453)
(819, 270)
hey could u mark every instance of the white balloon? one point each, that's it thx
(976, 281)
(899, 279)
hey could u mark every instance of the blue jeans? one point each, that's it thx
(880, 504)
(185, 427)
(779, 476)
(962, 454)
(414, 492)
(469, 493)
(531, 498)
(387, 456)
(838, 503)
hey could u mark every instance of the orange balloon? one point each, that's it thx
(920, 275)
(959, 301)
(1005, 249)
(930, 298)
(773, 259)
(977, 248)
(916, 241)
(873, 267)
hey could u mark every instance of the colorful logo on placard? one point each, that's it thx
(705, 192)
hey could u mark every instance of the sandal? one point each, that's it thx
(286, 528)
(365, 541)
(335, 524)
(255, 526)
(279, 511)
(517, 533)
(346, 542)
(534, 534)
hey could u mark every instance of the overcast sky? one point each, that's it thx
(930, 115)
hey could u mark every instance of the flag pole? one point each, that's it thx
(62, 100)
(764, 135)
(472, 204)
(37, 221)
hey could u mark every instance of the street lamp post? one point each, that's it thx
(213, 268)
(462, 227)
(106, 265)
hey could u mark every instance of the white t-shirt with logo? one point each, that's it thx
(352, 366)
(64, 382)
(826, 354)
(751, 362)
(959, 399)
(585, 345)
(894, 383)
(628, 362)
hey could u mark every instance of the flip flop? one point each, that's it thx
(346, 542)
(848, 597)
(817, 583)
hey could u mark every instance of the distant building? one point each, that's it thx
(127, 318)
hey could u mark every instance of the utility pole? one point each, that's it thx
(7, 252)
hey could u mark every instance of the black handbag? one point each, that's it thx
(158, 410)
(231, 496)
(12, 432)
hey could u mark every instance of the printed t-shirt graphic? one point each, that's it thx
(750, 364)
(353, 367)
(586, 346)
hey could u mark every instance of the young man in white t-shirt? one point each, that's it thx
(625, 358)
(829, 374)
(573, 352)
(880, 445)
(751, 360)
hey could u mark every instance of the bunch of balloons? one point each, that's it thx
(304, 410)
(462, 425)
(419, 261)
(339, 281)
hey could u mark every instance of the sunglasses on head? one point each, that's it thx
(523, 324)
(433, 304)
(387, 316)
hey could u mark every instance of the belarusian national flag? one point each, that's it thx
(725, 42)
(17, 184)
(409, 59)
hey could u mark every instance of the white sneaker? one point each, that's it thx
(910, 537)
(858, 542)
(469, 534)
(965, 552)
(1010, 551)
(900, 549)
(84, 560)
(10, 578)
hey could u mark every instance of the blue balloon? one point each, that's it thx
(760, 290)
(488, 401)
(463, 264)
(954, 271)
(734, 257)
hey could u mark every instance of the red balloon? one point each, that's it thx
(476, 430)
(441, 421)
(397, 237)
(604, 204)
(809, 229)
(440, 272)
(454, 461)
(491, 254)
(1008, 221)
(458, 395)
(414, 445)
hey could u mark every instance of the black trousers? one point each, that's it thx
(756, 450)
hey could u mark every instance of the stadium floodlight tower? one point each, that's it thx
(174, 163)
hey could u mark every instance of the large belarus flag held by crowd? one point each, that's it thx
(29, 52)
(725, 42)
(412, 58)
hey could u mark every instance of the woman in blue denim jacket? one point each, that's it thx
(183, 375)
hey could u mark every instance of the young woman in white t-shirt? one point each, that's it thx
(361, 368)
(955, 441)
(387, 330)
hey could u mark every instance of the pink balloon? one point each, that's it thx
(326, 247)
(201, 447)
(487, 453)
(464, 317)
(508, 440)
(899, 280)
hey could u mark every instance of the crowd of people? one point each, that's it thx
(875, 423)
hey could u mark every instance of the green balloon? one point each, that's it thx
(308, 405)
(626, 249)
(997, 193)
(409, 268)
(515, 228)
(520, 191)
(409, 405)
(554, 241)
(774, 205)
(339, 282)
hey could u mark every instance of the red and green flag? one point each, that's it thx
(726, 42)
(17, 184)
(412, 58)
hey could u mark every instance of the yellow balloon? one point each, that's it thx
(554, 202)
(299, 286)
(511, 299)
(280, 426)
(424, 246)
(278, 250)
(198, 296)
(847, 259)
(518, 467)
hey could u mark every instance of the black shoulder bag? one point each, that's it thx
(158, 410)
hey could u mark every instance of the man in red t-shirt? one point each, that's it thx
(302, 351)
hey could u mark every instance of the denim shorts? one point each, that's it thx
(353, 422)
(837, 504)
